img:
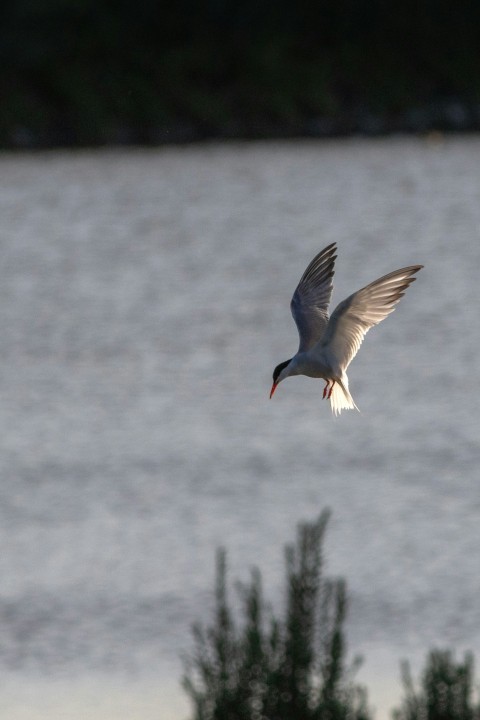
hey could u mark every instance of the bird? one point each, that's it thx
(328, 344)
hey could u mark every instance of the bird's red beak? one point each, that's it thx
(273, 389)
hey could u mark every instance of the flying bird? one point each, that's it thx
(329, 344)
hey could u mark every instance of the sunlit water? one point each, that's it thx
(144, 301)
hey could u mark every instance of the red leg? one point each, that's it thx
(330, 391)
(325, 390)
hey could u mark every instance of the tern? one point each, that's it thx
(329, 344)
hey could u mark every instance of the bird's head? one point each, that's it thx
(279, 374)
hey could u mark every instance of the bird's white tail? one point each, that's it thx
(340, 399)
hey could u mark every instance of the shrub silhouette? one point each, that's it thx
(446, 690)
(292, 668)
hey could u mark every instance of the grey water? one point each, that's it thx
(144, 302)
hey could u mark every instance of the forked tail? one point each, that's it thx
(340, 398)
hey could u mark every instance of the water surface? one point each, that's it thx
(144, 303)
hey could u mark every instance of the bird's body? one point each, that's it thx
(329, 344)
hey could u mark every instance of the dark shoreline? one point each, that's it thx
(449, 117)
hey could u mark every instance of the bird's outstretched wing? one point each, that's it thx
(353, 317)
(311, 299)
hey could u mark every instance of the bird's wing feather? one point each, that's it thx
(311, 299)
(353, 317)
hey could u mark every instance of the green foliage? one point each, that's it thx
(446, 690)
(80, 71)
(292, 668)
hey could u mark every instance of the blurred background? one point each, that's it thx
(85, 72)
(148, 256)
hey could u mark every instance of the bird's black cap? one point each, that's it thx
(279, 369)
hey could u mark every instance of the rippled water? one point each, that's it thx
(143, 305)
